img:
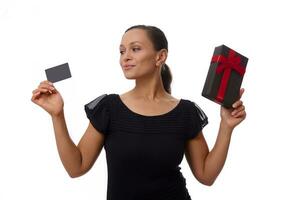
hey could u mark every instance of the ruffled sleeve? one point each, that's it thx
(198, 120)
(97, 112)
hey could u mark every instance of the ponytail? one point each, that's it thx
(166, 78)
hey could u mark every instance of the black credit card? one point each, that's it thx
(58, 73)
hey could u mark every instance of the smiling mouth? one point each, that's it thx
(126, 67)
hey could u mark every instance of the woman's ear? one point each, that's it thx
(161, 57)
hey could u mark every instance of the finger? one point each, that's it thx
(39, 90)
(43, 90)
(46, 81)
(34, 91)
(46, 86)
(240, 114)
(35, 96)
(241, 91)
(239, 109)
(237, 103)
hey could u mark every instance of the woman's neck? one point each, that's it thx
(149, 89)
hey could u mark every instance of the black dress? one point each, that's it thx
(143, 153)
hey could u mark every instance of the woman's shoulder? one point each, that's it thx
(103, 98)
(187, 101)
(192, 104)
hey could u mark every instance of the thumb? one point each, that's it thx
(241, 91)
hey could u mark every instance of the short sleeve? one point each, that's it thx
(97, 112)
(198, 120)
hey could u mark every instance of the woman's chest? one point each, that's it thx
(155, 151)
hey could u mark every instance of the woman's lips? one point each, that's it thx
(126, 67)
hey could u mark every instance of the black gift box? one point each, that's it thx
(225, 76)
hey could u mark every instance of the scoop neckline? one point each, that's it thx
(149, 116)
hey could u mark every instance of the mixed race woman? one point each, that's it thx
(145, 131)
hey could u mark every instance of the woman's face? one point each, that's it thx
(138, 57)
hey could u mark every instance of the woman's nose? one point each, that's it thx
(127, 56)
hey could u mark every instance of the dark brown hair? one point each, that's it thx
(159, 41)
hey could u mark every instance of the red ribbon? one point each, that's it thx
(226, 65)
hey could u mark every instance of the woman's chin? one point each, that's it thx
(129, 77)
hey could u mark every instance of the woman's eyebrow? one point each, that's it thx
(134, 42)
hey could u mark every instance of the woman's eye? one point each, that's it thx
(121, 52)
(136, 49)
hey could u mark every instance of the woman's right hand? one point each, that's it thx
(49, 98)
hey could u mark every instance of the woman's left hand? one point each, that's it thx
(233, 116)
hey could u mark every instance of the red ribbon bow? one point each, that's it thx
(226, 65)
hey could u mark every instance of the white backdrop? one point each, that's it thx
(264, 155)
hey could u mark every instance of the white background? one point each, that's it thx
(264, 155)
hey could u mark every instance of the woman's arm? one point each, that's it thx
(206, 165)
(77, 160)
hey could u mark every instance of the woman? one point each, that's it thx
(145, 131)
